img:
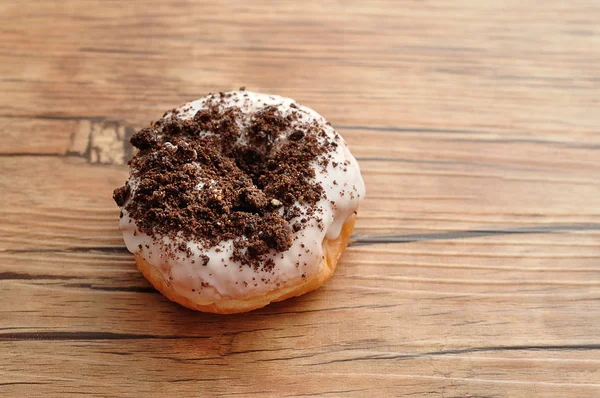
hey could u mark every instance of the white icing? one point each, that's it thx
(227, 279)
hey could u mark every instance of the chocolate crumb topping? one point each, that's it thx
(120, 195)
(225, 175)
(205, 259)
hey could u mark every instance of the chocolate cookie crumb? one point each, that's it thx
(120, 195)
(205, 259)
(207, 180)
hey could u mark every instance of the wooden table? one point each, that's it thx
(475, 265)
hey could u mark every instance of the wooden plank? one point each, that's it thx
(422, 200)
(466, 375)
(101, 367)
(422, 65)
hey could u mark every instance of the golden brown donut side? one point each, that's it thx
(333, 250)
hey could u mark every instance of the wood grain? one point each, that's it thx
(474, 269)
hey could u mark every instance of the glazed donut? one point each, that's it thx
(237, 200)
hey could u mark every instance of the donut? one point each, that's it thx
(237, 200)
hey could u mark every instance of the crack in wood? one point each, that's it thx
(350, 307)
(133, 289)
(567, 347)
(86, 336)
(372, 240)
(26, 383)
(396, 129)
(19, 276)
(92, 249)
(476, 233)
(328, 392)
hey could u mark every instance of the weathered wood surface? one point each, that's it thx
(475, 266)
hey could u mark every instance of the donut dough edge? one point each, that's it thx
(332, 249)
